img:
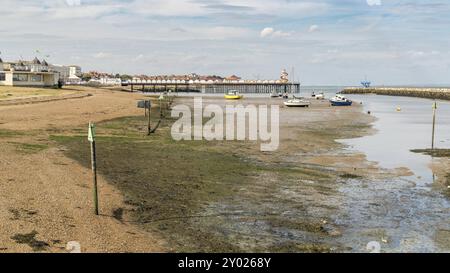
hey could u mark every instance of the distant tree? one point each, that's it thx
(60, 83)
(126, 77)
(86, 77)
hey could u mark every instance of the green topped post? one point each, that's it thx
(91, 138)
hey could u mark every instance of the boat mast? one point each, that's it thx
(293, 79)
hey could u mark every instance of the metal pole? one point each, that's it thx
(94, 174)
(434, 125)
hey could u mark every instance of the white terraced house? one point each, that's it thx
(22, 73)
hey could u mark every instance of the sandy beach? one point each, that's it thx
(45, 192)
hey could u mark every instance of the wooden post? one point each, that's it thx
(149, 117)
(91, 138)
(434, 125)
(161, 98)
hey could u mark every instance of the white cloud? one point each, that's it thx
(285, 8)
(91, 33)
(102, 55)
(139, 57)
(374, 2)
(73, 2)
(335, 56)
(280, 33)
(313, 28)
(271, 32)
(267, 32)
(421, 54)
(185, 8)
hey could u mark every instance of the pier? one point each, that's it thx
(429, 93)
(216, 87)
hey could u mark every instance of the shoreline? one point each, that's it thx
(193, 196)
(428, 93)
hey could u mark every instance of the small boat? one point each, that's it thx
(340, 100)
(296, 102)
(321, 96)
(275, 95)
(233, 95)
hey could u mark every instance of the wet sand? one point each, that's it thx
(162, 195)
(230, 196)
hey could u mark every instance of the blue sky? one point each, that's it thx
(326, 41)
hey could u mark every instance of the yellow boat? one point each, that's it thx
(233, 95)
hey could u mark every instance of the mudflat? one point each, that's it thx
(157, 194)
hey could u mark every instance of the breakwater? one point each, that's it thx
(429, 93)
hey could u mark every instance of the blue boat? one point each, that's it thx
(340, 100)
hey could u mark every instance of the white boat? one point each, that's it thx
(340, 100)
(275, 95)
(321, 96)
(296, 102)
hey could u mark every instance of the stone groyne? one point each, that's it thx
(429, 93)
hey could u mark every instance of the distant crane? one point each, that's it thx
(366, 83)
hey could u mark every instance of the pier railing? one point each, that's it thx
(215, 88)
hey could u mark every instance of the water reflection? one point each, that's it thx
(402, 124)
(404, 212)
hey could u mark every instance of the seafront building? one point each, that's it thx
(27, 73)
(106, 81)
(69, 74)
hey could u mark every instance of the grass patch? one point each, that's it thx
(30, 148)
(297, 224)
(8, 92)
(118, 214)
(433, 153)
(169, 184)
(350, 176)
(302, 248)
(10, 133)
(307, 173)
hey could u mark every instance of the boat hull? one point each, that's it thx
(233, 97)
(304, 104)
(341, 103)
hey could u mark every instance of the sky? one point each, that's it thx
(325, 42)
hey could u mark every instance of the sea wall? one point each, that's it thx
(430, 93)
